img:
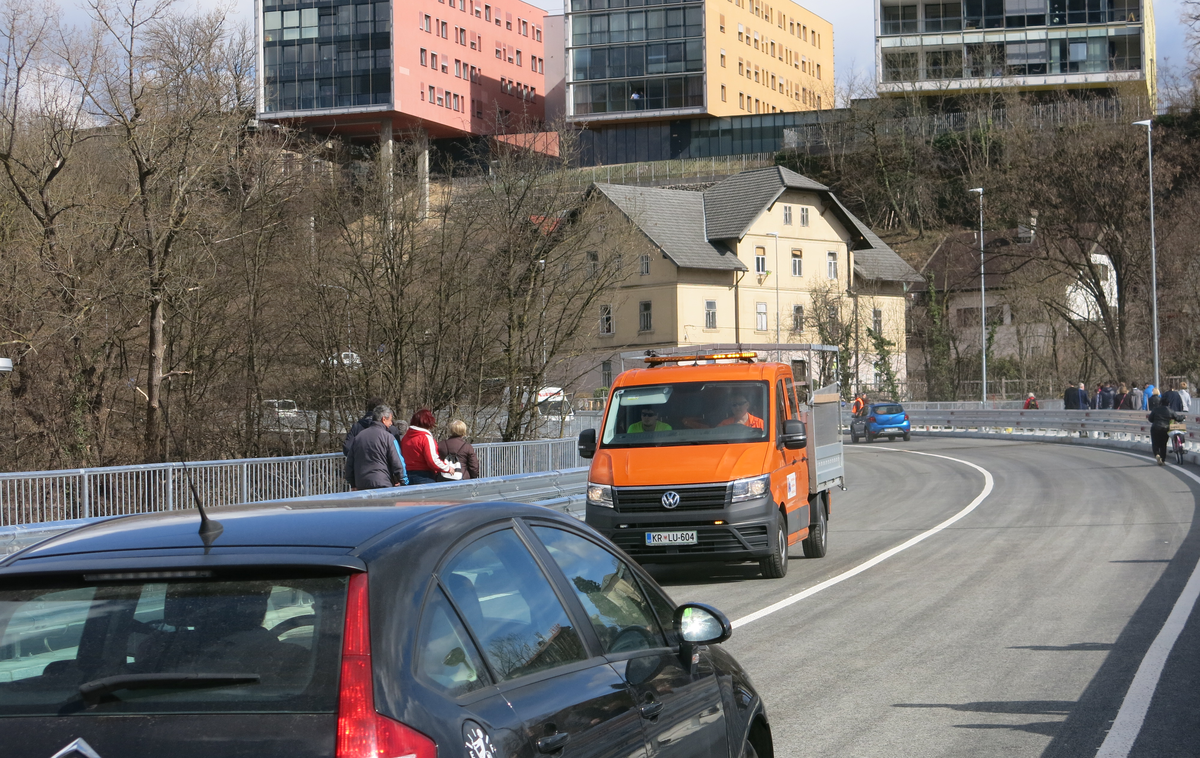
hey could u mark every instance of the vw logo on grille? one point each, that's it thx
(670, 499)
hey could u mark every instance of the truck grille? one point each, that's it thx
(648, 499)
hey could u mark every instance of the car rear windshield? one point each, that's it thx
(888, 410)
(691, 413)
(169, 645)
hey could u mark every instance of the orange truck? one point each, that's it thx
(714, 457)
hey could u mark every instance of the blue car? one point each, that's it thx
(881, 420)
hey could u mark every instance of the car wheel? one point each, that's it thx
(748, 750)
(907, 436)
(854, 438)
(775, 565)
(870, 438)
(817, 541)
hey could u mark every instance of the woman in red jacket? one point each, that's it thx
(419, 449)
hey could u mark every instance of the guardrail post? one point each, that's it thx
(87, 499)
(307, 477)
(245, 482)
(521, 458)
(170, 488)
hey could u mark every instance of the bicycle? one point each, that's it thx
(1176, 444)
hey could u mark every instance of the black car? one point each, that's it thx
(292, 629)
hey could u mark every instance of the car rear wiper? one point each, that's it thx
(94, 690)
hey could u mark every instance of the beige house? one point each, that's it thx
(765, 257)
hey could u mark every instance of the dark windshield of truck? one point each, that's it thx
(691, 413)
(264, 646)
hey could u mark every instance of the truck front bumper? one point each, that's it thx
(737, 532)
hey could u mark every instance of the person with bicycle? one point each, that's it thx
(1160, 418)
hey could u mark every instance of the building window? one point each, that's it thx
(424, 61)
(593, 263)
(787, 215)
(797, 263)
(428, 24)
(804, 217)
(722, 59)
(877, 321)
(741, 100)
(797, 318)
(722, 24)
(644, 265)
(487, 13)
(760, 317)
(760, 260)
(606, 319)
(645, 323)
(831, 265)
(710, 314)
(606, 373)
(518, 57)
(722, 93)
(537, 34)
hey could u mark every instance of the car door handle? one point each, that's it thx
(650, 710)
(553, 742)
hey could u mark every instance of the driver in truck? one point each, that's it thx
(739, 407)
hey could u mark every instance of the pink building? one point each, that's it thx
(360, 69)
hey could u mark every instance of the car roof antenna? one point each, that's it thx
(210, 529)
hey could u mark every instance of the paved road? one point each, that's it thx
(1015, 631)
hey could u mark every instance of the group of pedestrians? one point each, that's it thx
(1120, 397)
(382, 452)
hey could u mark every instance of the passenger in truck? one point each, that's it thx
(739, 408)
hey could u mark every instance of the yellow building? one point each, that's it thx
(696, 58)
(764, 257)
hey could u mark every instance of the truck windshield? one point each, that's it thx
(692, 413)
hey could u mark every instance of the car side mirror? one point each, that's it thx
(697, 624)
(795, 437)
(587, 443)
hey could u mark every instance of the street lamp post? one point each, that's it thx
(778, 355)
(982, 301)
(1153, 260)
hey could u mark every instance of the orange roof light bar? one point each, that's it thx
(657, 360)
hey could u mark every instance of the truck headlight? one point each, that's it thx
(599, 494)
(752, 488)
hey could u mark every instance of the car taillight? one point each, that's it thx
(906, 417)
(871, 419)
(363, 733)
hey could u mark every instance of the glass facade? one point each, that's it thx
(635, 55)
(1033, 38)
(331, 54)
(605, 144)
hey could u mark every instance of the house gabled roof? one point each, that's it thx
(691, 227)
(730, 206)
(674, 221)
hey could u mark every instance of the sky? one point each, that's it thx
(853, 30)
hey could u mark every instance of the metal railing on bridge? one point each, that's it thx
(39, 496)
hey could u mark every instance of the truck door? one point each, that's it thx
(794, 461)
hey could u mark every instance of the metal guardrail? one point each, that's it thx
(560, 490)
(42, 496)
(1122, 426)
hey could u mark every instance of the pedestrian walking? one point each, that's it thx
(1107, 395)
(374, 460)
(1085, 402)
(1150, 390)
(456, 445)
(1071, 398)
(397, 428)
(1122, 401)
(1154, 400)
(1031, 403)
(1160, 418)
(1185, 396)
(420, 451)
(1135, 398)
(1172, 400)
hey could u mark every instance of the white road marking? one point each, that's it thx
(1132, 715)
(988, 483)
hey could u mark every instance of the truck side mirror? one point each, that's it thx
(587, 443)
(795, 437)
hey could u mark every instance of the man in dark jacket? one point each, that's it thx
(1160, 418)
(1173, 400)
(1071, 398)
(397, 428)
(374, 460)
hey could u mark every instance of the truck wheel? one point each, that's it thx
(775, 565)
(817, 540)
